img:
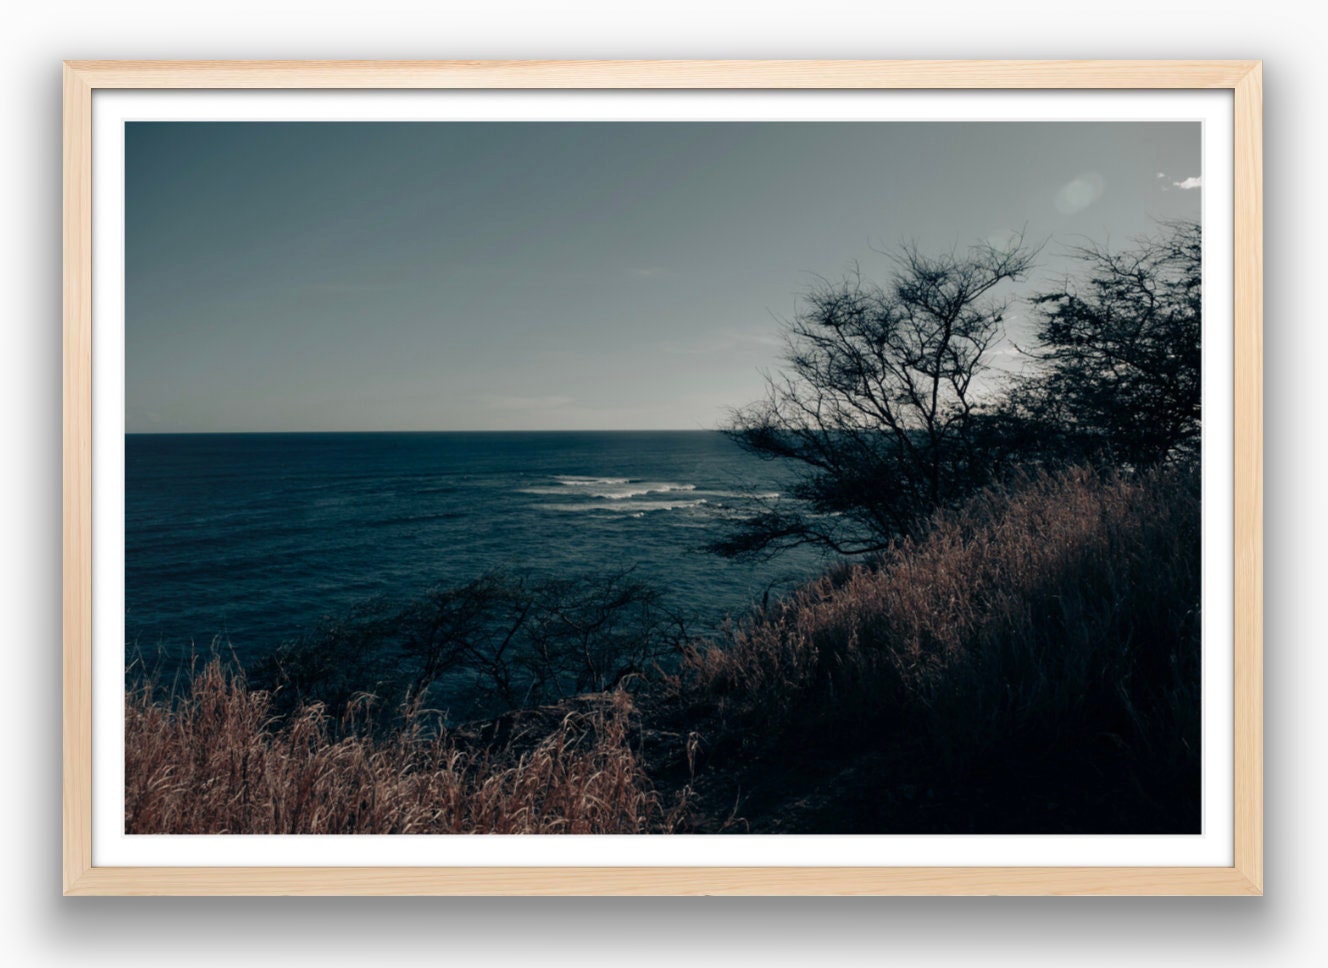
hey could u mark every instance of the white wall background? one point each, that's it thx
(40, 927)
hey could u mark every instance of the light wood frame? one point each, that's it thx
(1243, 78)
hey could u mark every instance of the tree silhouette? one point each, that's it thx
(1120, 352)
(880, 411)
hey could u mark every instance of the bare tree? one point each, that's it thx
(880, 410)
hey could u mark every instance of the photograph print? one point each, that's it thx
(662, 477)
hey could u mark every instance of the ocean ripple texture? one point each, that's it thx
(251, 540)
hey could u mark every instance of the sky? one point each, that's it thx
(285, 276)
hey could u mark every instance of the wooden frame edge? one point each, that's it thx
(744, 881)
(1248, 489)
(76, 547)
(665, 74)
(80, 878)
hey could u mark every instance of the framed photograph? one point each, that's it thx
(734, 477)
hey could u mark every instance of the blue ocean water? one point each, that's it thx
(255, 538)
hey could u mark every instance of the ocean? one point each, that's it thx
(251, 540)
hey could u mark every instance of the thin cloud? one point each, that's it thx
(528, 403)
(727, 342)
(1161, 174)
(1194, 181)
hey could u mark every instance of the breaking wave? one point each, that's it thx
(624, 507)
(573, 480)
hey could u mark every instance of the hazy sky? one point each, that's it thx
(489, 276)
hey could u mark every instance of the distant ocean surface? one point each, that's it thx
(255, 538)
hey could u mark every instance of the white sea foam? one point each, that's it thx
(645, 487)
(609, 491)
(574, 480)
(635, 508)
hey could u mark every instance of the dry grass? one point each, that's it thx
(1044, 635)
(216, 761)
